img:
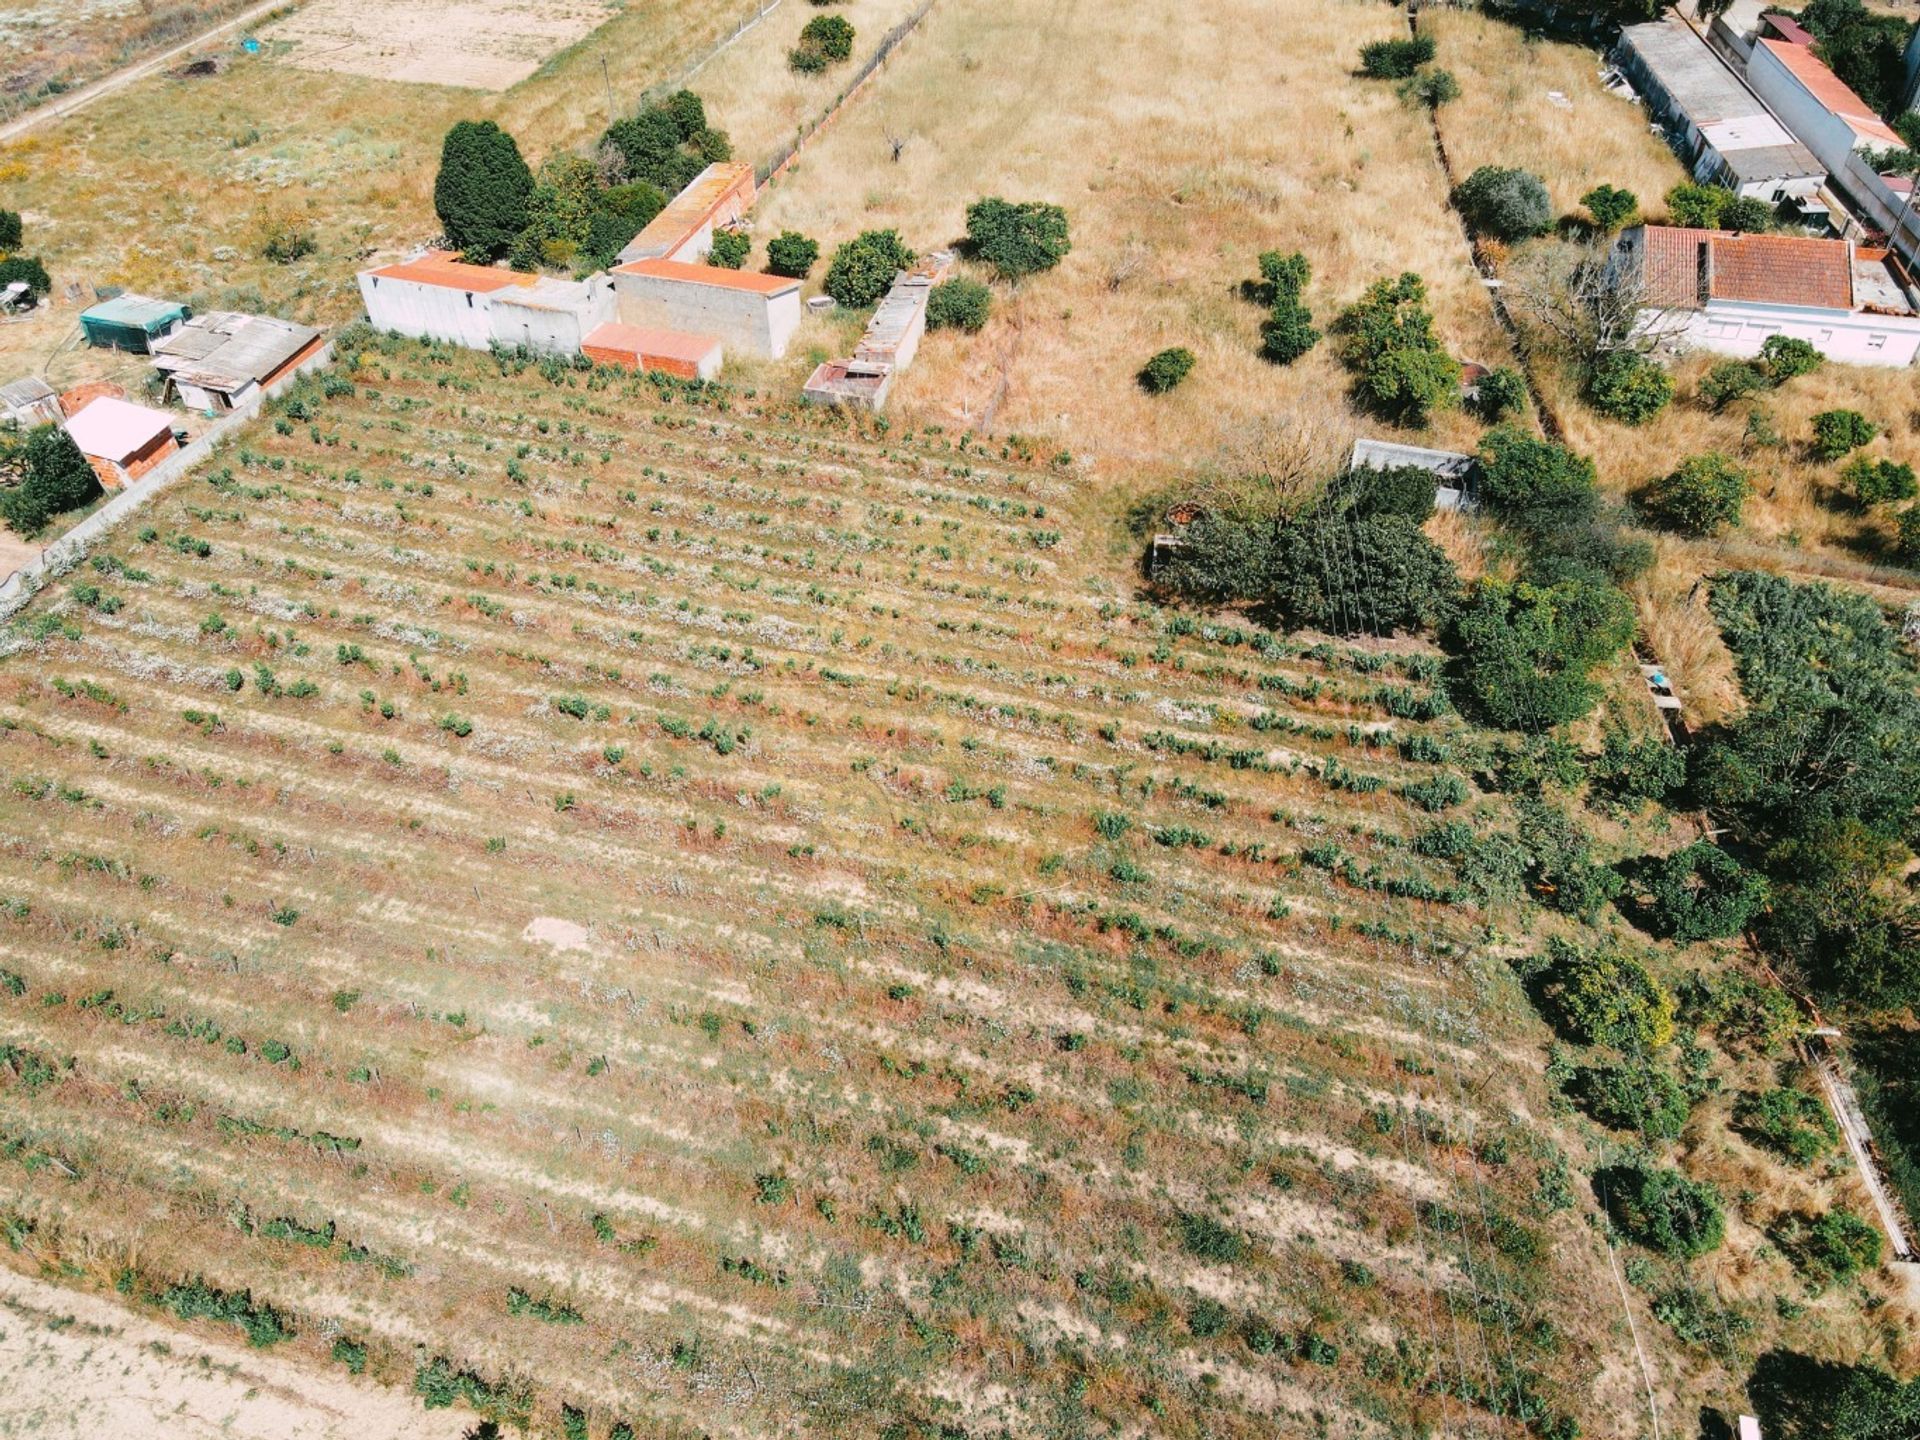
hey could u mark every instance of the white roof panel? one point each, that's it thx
(115, 429)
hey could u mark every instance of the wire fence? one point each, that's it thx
(783, 157)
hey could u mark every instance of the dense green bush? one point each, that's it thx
(823, 40)
(1166, 369)
(482, 189)
(1374, 575)
(959, 304)
(619, 213)
(1793, 1123)
(1731, 381)
(1877, 482)
(1430, 89)
(1388, 337)
(1612, 209)
(27, 270)
(1639, 1097)
(1501, 395)
(1785, 357)
(1017, 239)
(863, 268)
(1605, 996)
(1404, 490)
(1395, 59)
(1865, 49)
(1535, 484)
(10, 230)
(665, 145)
(792, 254)
(1287, 333)
(1561, 870)
(1527, 652)
(1625, 385)
(1634, 771)
(1830, 1248)
(730, 249)
(1839, 432)
(1703, 495)
(1798, 1398)
(1698, 206)
(1504, 203)
(1664, 1210)
(1701, 893)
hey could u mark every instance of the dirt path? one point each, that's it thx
(107, 84)
(75, 1364)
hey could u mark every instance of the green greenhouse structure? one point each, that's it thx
(131, 322)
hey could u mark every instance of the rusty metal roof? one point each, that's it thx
(709, 275)
(446, 269)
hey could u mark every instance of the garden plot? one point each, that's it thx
(472, 44)
(998, 990)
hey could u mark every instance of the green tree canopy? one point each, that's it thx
(1526, 652)
(482, 189)
(1017, 239)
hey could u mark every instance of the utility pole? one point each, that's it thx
(607, 75)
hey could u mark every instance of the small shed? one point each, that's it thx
(29, 402)
(219, 360)
(672, 352)
(131, 322)
(1453, 473)
(121, 440)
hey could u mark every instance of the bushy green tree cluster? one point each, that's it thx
(1395, 59)
(1287, 333)
(1017, 238)
(823, 40)
(1527, 652)
(1389, 340)
(1864, 48)
(1664, 1209)
(1612, 208)
(1504, 203)
(959, 304)
(1702, 495)
(54, 477)
(1605, 995)
(1166, 369)
(863, 268)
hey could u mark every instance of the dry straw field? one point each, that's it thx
(744, 926)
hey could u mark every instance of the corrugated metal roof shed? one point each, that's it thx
(225, 351)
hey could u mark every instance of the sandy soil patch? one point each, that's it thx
(562, 935)
(75, 1364)
(473, 44)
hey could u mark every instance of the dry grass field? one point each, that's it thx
(48, 47)
(474, 44)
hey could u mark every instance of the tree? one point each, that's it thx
(792, 254)
(1625, 385)
(1504, 203)
(1526, 652)
(1701, 893)
(1831, 1247)
(1430, 89)
(10, 230)
(482, 189)
(1664, 1210)
(1501, 395)
(688, 113)
(730, 249)
(55, 477)
(1696, 205)
(1793, 1123)
(1876, 482)
(1605, 996)
(1746, 213)
(1612, 209)
(1906, 542)
(1287, 333)
(1166, 369)
(1535, 484)
(823, 40)
(1785, 357)
(1864, 49)
(1632, 771)
(1389, 338)
(1837, 432)
(619, 213)
(1798, 1398)
(665, 145)
(1407, 491)
(863, 268)
(959, 304)
(1703, 495)
(1017, 239)
(1395, 59)
(1221, 559)
(1637, 1097)
(560, 210)
(26, 268)
(1379, 574)
(1731, 381)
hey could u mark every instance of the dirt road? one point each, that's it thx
(77, 99)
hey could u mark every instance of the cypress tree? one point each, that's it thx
(482, 189)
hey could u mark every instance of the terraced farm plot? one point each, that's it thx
(668, 905)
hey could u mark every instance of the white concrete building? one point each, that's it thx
(440, 297)
(750, 313)
(1727, 293)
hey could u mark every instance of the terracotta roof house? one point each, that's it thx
(670, 352)
(121, 440)
(754, 314)
(1714, 290)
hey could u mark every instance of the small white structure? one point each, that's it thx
(892, 339)
(438, 296)
(29, 402)
(220, 360)
(1453, 473)
(754, 314)
(1728, 293)
(718, 196)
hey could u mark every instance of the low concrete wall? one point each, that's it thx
(71, 548)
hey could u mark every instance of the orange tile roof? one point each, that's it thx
(1681, 263)
(644, 340)
(709, 275)
(1831, 91)
(445, 268)
(704, 198)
